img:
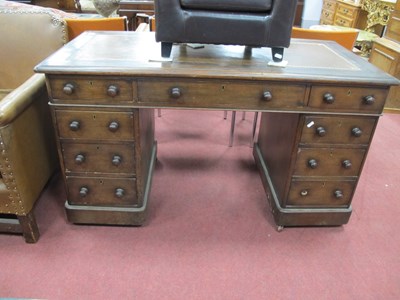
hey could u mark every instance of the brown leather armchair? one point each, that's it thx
(28, 154)
(254, 23)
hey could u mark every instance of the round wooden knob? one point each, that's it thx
(369, 99)
(113, 126)
(321, 131)
(79, 159)
(112, 91)
(267, 96)
(116, 160)
(312, 163)
(357, 132)
(338, 194)
(74, 125)
(175, 92)
(304, 193)
(119, 192)
(83, 192)
(346, 164)
(68, 89)
(329, 98)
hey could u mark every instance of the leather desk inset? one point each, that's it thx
(319, 116)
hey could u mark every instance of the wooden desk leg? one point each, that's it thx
(29, 227)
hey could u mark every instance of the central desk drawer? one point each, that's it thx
(357, 99)
(102, 191)
(95, 125)
(212, 94)
(99, 158)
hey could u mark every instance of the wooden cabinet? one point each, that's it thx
(318, 117)
(349, 14)
(343, 13)
(106, 148)
(385, 54)
(393, 27)
(328, 12)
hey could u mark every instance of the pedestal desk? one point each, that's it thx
(318, 120)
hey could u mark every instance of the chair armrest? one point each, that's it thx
(20, 98)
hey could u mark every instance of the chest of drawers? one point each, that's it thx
(328, 12)
(318, 119)
(349, 14)
(106, 148)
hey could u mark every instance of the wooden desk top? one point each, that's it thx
(131, 53)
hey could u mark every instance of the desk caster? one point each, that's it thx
(279, 228)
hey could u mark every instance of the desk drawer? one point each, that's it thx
(341, 21)
(328, 162)
(347, 11)
(95, 125)
(92, 90)
(212, 94)
(103, 158)
(327, 16)
(355, 99)
(329, 5)
(337, 130)
(321, 193)
(102, 191)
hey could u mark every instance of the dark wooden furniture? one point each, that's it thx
(131, 9)
(318, 120)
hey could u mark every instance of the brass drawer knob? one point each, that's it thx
(175, 92)
(320, 131)
(369, 99)
(113, 126)
(79, 159)
(357, 132)
(338, 194)
(119, 192)
(312, 163)
(116, 160)
(329, 98)
(346, 164)
(74, 125)
(267, 96)
(84, 191)
(112, 91)
(69, 89)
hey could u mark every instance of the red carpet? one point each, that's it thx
(210, 234)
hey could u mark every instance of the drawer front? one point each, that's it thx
(360, 100)
(393, 27)
(102, 191)
(327, 15)
(328, 162)
(213, 94)
(337, 130)
(97, 125)
(92, 90)
(341, 21)
(320, 193)
(347, 11)
(329, 5)
(103, 158)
